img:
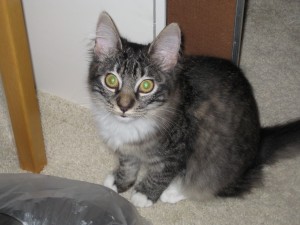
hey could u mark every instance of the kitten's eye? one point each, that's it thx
(146, 86)
(111, 81)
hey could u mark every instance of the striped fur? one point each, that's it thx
(197, 131)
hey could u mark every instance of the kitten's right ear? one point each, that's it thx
(108, 40)
(164, 50)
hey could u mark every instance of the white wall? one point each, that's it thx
(61, 32)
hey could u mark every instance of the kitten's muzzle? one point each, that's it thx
(125, 102)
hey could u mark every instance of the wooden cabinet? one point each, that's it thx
(210, 27)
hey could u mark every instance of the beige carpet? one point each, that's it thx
(270, 58)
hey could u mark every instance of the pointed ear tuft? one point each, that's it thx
(164, 50)
(107, 37)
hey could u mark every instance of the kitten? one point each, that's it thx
(192, 121)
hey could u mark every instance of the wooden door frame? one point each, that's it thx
(19, 86)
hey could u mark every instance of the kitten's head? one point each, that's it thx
(130, 80)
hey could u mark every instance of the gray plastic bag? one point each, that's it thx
(32, 199)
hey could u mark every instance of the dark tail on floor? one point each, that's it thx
(282, 141)
(277, 142)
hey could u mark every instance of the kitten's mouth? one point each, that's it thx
(124, 118)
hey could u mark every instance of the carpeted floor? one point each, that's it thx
(270, 58)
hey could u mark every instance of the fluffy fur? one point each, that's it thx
(197, 131)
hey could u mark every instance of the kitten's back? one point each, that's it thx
(223, 112)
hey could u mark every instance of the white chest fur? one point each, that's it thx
(118, 132)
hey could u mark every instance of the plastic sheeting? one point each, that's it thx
(34, 199)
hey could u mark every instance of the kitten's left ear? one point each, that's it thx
(164, 50)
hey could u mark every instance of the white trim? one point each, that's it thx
(159, 16)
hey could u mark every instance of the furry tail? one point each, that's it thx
(282, 141)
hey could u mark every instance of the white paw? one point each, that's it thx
(109, 182)
(172, 194)
(140, 200)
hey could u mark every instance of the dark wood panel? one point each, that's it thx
(207, 25)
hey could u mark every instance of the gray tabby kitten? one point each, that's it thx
(192, 121)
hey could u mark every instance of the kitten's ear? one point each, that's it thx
(107, 37)
(164, 50)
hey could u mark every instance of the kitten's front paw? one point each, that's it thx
(171, 196)
(173, 193)
(140, 200)
(110, 182)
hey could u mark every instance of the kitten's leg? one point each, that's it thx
(125, 175)
(174, 193)
(151, 187)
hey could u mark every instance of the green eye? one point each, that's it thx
(146, 86)
(111, 81)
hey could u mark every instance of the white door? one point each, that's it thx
(61, 33)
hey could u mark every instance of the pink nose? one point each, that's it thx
(125, 102)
